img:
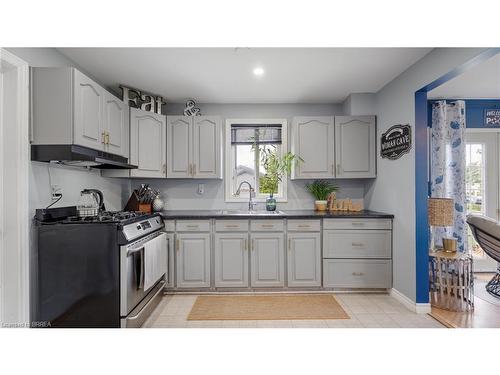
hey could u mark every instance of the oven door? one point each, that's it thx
(143, 264)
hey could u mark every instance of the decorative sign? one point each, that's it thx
(492, 117)
(147, 102)
(395, 142)
(191, 109)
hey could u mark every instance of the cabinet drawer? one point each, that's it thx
(169, 225)
(357, 244)
(357, 224)
(193, 226)
(231, 225)
(267, 225)
(357, 273)
(304, 225)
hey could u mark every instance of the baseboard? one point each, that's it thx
(419, 308)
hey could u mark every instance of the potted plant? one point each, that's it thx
(320, 190)
(277, 167)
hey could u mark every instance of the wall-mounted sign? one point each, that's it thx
(395, 142)
(147, 102)
(492, 117)
(191, 109)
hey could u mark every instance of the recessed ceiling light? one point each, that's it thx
(258, 71)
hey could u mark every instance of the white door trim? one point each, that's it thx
(20, 184)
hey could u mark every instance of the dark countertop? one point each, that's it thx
(290, 214)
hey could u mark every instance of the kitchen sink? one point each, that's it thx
(251, 213)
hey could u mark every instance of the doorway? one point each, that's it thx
(482, 187)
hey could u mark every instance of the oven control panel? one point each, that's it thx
(140, 228)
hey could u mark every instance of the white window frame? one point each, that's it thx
(228, 167)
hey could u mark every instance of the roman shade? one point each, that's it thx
(248, 134)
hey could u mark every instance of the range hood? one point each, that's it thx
(79, 156)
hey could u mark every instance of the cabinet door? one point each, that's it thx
(206, 147)
(304, 259)
(313, 142)
(231, 260)
(267, 260)
(193, 260)
(147, 144)
(355, 146)
(171, 251)
(116, 124)
(179, 163)
(88, 112)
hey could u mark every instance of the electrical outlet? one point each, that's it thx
(201, 189)
(56, 192)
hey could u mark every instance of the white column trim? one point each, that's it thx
(21, 185)
(419, 308)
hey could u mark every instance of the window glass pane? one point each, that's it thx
(265, 185)
(244, 168)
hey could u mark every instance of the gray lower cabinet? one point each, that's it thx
(304, 259)
(170, 271)
(193, 260)
(267, 260)
(357, 273)
(231, 260)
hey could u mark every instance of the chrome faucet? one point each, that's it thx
(251, 203)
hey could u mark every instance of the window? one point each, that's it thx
(246, 140)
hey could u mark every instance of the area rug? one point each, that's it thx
(267, 307)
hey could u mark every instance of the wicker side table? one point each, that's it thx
(451, 281)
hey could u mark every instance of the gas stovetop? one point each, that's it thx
(121, 217)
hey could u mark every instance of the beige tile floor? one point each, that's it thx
(365, 310)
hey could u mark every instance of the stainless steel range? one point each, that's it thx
(101, 271)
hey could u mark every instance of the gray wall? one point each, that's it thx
(182, 194)
(394, 189)
(71, 180)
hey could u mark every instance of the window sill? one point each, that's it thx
(256, 200)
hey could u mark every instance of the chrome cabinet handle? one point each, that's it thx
(231, 226)
(246, 244)
(164, 169)
(304, 226)
(289, 244)
(194, 169)
(267, 225)
(178, 244)
(103, 135)
(357, 224)
(357, 244)
(357, 273)
(107, 138)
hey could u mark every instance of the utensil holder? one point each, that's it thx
(133, 204)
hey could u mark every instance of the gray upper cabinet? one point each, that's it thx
(179, 146)
(312, 140)
(304, 259)
(70, 108)
(147, 144)
(194, 147)
(231, 259)
(116, 124)
(355, 144)
(334, 147)
(89, 115)
(267, 260)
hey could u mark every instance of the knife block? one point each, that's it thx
(133, 204)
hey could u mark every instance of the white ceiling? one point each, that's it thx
(225, 75)
(480, 82)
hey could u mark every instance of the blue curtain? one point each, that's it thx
(448, 165)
